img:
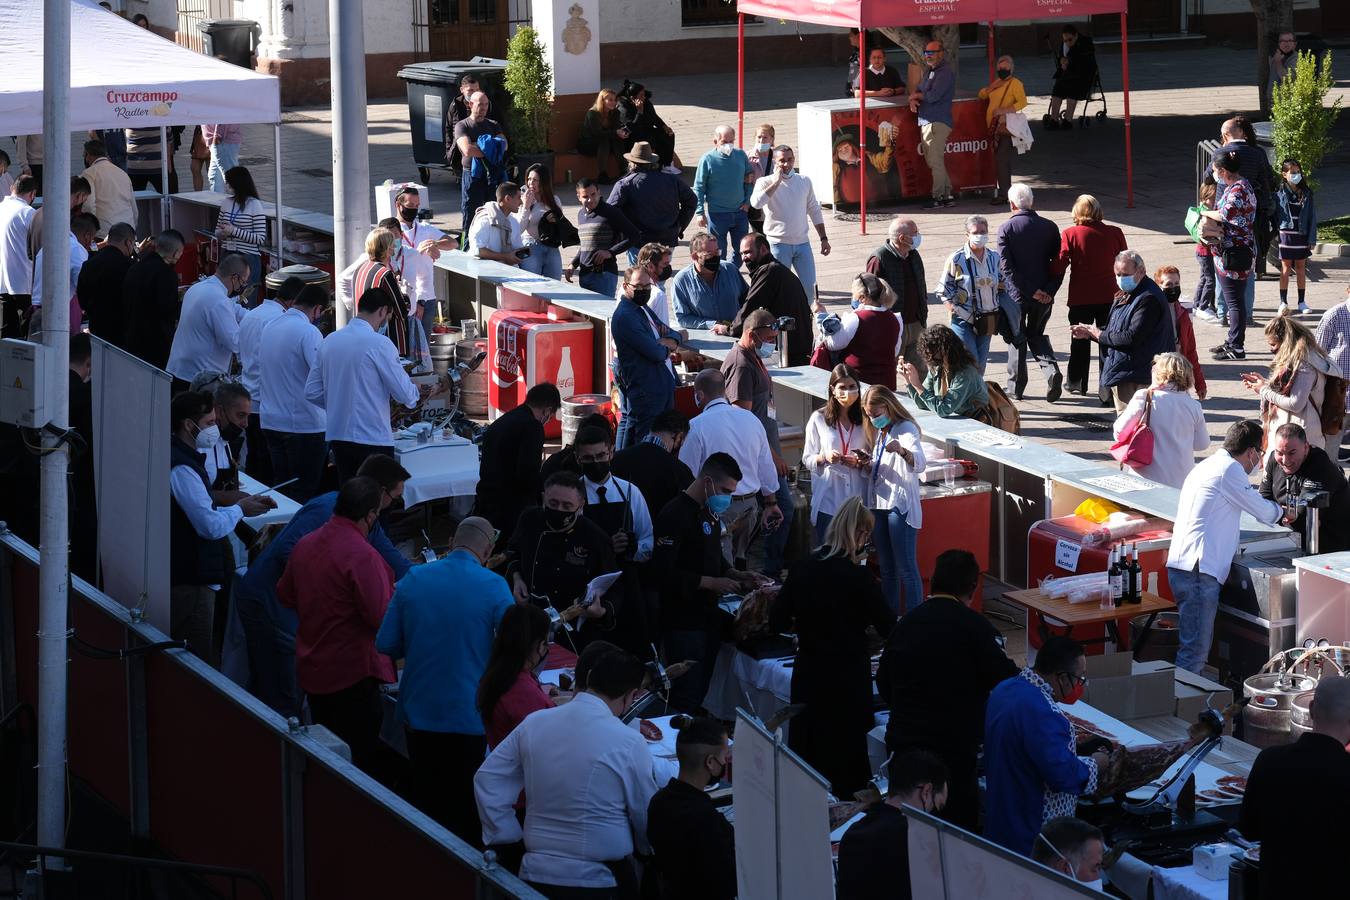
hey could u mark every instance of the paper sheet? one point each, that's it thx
(1121, 484)
(990, 438)
(599, 585)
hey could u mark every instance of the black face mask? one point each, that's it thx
(407, 214)
(711, 263)
(753, 263)
(642, 295)
(1004, 73)
(558, 519)
(229, 432)
(1172, 292)
(597, 472)
(667, 272)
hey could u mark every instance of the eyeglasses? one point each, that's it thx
(1077, 679)
(931, 52)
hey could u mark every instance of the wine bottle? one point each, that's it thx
(1113, 577)
(1136, 576)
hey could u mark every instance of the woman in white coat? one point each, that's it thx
(832, 436)
(1176, 420)
(896, 464)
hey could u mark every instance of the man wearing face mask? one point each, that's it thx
(421, 244)
(354, 378)
(292, 426)
(1071, 847)
(150, 301)
(790, 209)
(1032, 767)
(972, 289)
(722, 187)
(197, 559)
(874, 854)
(339, 587)
(512, 452)
(693, 573)
(441, 622)
(774, 287)
(653, 464)
(588, 781)
(1140, 327)
(556, 550)
(208, 324)
(897, 262)
(228, 456)
(695, 845)
(642, 367)
(708, 292)
(1205, 536)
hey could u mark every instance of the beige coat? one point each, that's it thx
(1301, 403)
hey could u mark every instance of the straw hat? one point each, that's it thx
(642, 154)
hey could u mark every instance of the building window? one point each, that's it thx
(708, 12)
(482, 12)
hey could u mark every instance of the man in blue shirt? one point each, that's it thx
(1033, 771)
(709, 291)
(269, 627)
(722, 187)
(441, 623)
(642, 347)
(932, 102)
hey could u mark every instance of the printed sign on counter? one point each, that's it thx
(1066, 554)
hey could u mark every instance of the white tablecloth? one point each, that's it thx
(1183, 883)
(738, 680)
(441, 469)
(286, 507)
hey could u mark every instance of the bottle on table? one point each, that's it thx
(1136, 575)
(1113, 577)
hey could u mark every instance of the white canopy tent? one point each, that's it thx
(123, 76)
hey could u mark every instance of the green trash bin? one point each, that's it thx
(233, 40)
(431, 88)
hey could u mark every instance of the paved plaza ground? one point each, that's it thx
(1178, 97)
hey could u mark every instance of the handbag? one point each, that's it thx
(1195, 217)
(1135, 446)
(556, 231)
(986, 324)
(1237, 259)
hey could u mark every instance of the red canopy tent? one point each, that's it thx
(865, 14)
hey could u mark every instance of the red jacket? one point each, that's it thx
(1091, 250)
(1186, 345)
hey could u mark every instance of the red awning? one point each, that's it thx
(898, 13)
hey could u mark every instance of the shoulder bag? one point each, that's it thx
(1135, 446)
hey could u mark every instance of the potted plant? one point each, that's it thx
(529, 81)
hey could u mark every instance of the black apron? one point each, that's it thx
(631, 602)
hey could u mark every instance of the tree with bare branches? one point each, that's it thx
(911, 40)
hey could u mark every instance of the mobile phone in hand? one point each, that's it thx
(522, 253)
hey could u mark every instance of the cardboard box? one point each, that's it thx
(1194, 693)
(1109, 665)
(1148, 690)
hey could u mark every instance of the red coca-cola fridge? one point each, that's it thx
(1058, 548)
(528, 348)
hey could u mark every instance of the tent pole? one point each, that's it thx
(164, 153)
(276, 155)
(740, 79)
(351, 156)
(990, 43)
(862, 129)
(1125, 74)
(54, 537)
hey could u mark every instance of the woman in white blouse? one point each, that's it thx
(1176, 420)
(537, 201)
(832, 434)
(242, 225)
(894, 470)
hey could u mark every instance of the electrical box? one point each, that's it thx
(387, 193)
(24, 377)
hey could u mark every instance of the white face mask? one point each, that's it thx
(208, 437)
(1295, 177)
(1094, 885)
(764, 148)
(877, 70)
(979, 240)
(725, 149)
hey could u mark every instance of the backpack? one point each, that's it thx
(1000, 411)
(1333, 405)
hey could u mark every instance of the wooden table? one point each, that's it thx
(1040, 608)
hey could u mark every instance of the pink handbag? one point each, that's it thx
(1135, 446)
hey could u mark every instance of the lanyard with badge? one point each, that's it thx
(845, 438)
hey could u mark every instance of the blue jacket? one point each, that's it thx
(938, 87)
(1306, 220)
(1027, 756)
(658, 203)
(1140, 327)
(492, 164)
(1028, 249)
(441, 623)
(640, 360)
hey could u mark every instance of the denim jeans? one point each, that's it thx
(1235, 304)
(898, 553)
(224, 157)
(978, 345)
(735, 225)
(798, 258)
(775, 542)
(543, 260)
(1197, 597)
(640, 409)
(600, 282)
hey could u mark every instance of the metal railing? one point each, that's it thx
(28, 865)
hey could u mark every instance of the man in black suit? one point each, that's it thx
(653, 464)
(150, 301)
(1315, 767)
(874, 854)
(100, 283)
(944, 634)
(695, 845)
(511, 454)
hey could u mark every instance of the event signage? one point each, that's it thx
(899, 13)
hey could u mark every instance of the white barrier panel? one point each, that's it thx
(131, 478)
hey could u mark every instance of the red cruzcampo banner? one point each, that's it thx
(895, 169)
(898, 13)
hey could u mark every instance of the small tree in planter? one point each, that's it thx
(529, 81)
(1301, 117)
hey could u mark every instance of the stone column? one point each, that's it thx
(570, 33)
